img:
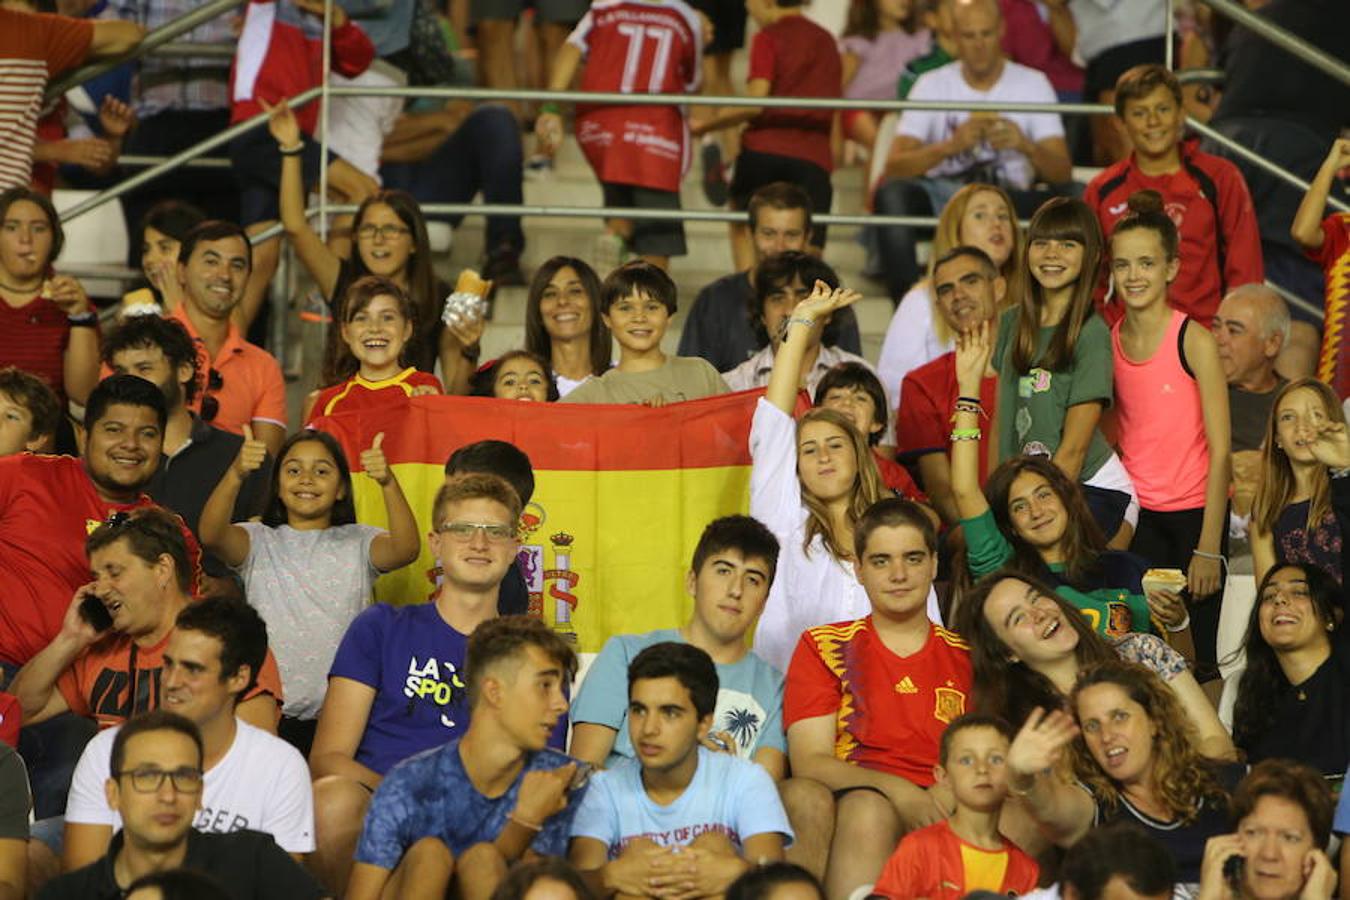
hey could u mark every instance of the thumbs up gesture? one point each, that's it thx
(251, 454)
(374, 463)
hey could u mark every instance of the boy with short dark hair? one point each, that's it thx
(636, 303)
(465, 811)
(29, 412)
(679, 813)
(965, 851)
(729, 580)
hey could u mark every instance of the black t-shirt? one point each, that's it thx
(1261, 80)
(1312, 721)
(1249, 413)
(184, 482)
(247, 864)
(1186, 842)
(717, 327)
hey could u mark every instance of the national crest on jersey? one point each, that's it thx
(638, 47)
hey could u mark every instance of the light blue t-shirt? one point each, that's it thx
(727, 795)
(749, 696)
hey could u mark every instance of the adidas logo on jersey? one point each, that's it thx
(906, 686)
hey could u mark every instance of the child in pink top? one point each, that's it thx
(1172, 403)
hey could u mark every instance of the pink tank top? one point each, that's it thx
(1162, 427)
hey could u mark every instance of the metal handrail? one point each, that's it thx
(1258, 160)
(136, 160)
(199, 51)
(155, 39)
(178, 160)
(1290, 43)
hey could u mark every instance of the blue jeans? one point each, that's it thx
(483, 155)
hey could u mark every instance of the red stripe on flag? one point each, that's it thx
(556, 436)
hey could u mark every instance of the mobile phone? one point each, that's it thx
(95, 613)
(1232, 871)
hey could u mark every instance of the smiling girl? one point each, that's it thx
(377, 323)
(1301, 511)
(1172, 403)
(308, 566)
(1053, 358)
(810, 482)
(518, 375)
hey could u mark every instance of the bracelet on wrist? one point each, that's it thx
(529, 826)
(86, 319)
(1185, 623)
(550, 108)
(966, 434)
(293, 150)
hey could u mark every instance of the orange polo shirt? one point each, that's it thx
(252, 388)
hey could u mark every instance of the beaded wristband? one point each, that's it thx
(966, 434)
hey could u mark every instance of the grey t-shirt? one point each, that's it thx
(680, 378)
(308, 586)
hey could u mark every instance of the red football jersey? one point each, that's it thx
(48, 506)
(923, 423)
(1333, 365)
(890, 710)
(356, 393)
(638, 47)
(935, 863)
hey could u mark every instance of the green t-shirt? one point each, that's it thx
(1113, 612)
(1032, 407)
(933, 59)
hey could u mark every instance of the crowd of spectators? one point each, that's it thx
(984, 630)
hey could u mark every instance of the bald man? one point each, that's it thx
(1251, 327)
(936, 152)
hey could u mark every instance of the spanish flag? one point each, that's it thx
(621, 495)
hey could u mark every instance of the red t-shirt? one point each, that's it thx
(33, 49)
(638, 47)
(1199, 286)
(48, 506)
(923, 424)
(114, 680)
(799, 59)
(356, 393)
(1333, 364)
(36, 337)
(896, 477)
(889, 711)
(936, 864)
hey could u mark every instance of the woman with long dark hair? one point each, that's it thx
(563, 323)
(1028, 646)
(1293, 699)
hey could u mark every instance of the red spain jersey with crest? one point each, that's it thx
(638, 47)
(890, 711)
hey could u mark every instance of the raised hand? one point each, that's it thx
(1319, 877)
(1331, 446)
(281, 122)
(1218, 850)
(974, 349)
(67, 292)
(1041, 742)
(824, 300)
(115, 117)
(374, 463)
(252, 453)
(1339, 156)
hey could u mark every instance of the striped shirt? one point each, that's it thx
(180, 83)
(33, 49)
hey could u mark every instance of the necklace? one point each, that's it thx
(19, 290)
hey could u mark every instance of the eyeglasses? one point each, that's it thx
(388, 232)
(211, 403)
(148, 781)
(463, 532)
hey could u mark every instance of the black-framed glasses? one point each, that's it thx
(210, 403)
(388, 231)
(148, 781)
(463, 532)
